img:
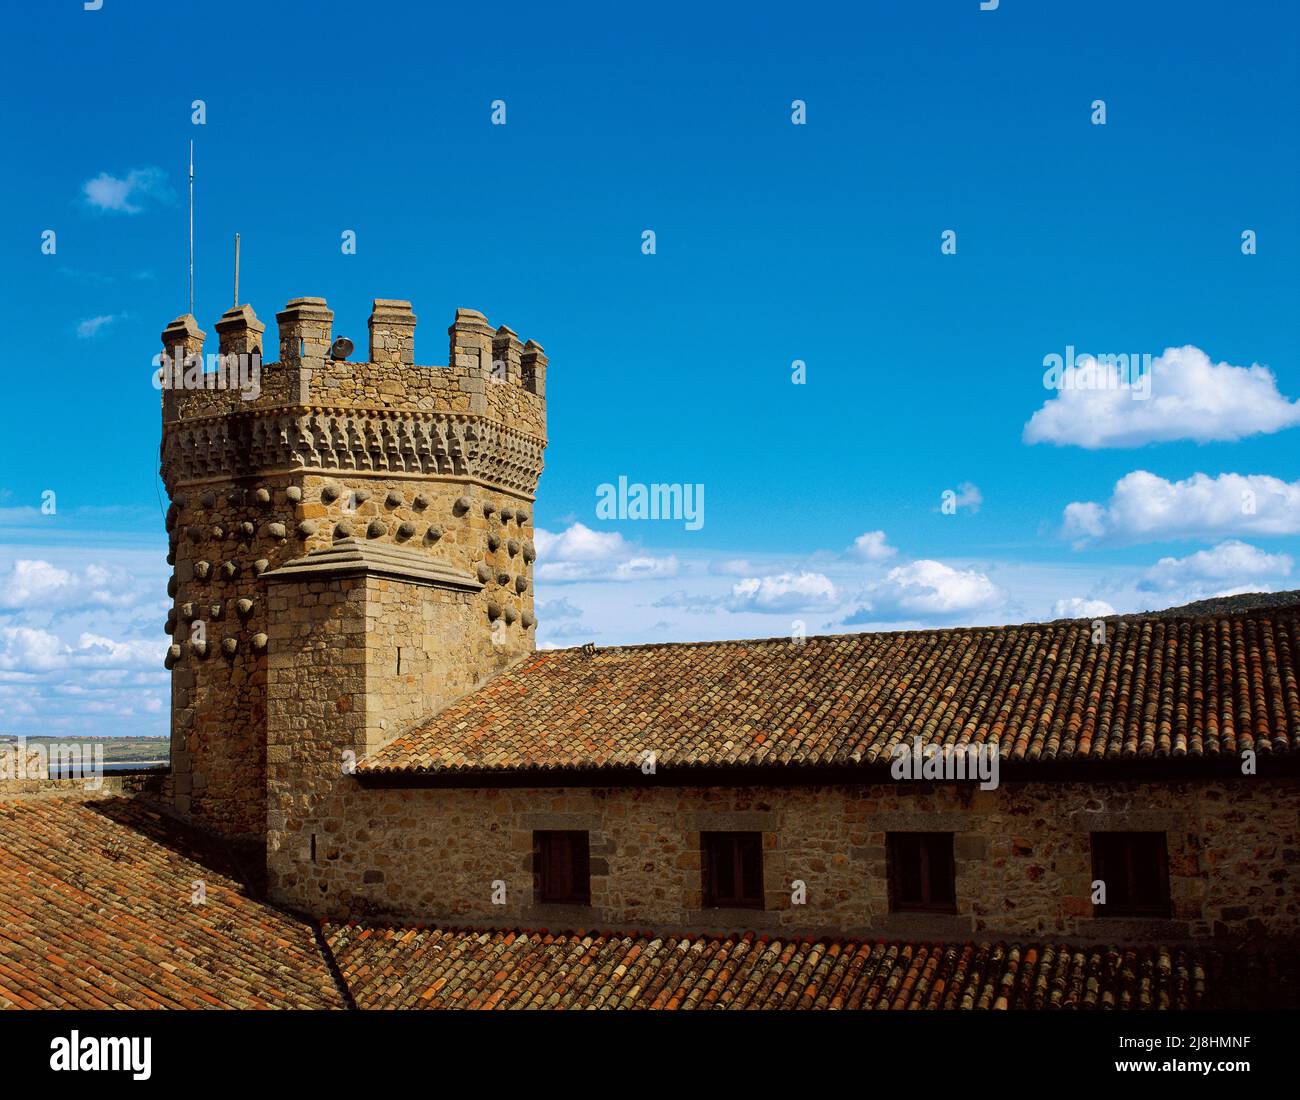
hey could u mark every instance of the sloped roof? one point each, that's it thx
(1157, 689)
(413, 967)
(96, 911)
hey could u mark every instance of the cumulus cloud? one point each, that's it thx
(1076, 607)
(580, 554)
(1187, 397)
(29, 650)
(873, 546)
(930, 589)
(37, 585)
(784, 592)
(1147, 508)
(1232, 563)
(127, 194)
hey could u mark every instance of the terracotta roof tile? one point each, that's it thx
(473, 968)
(1159, 689)
(95, 912)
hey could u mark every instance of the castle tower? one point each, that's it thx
(352, 544)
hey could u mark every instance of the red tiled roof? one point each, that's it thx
(414, 967)
(1159, 688)
(96, 912)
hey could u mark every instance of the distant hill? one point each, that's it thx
(1222, 605)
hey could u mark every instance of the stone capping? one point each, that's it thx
(351, 557)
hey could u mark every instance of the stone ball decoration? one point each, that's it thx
(263, 496)
(361, 495)
(261, 566)
(506, 515)
(493, 543)
(521, 517)
(172, 586)
(229, 646)
(193, 533)
(394, 499)
(293, 494)
(503, 577)
(420, 503)
(434, 533)
(342, 530)
(306, 528)
(244, 607)
(406, 530)
(530, 551)
(488, 509)
(229, 570)
(510, 614)
(529, 620)
(259, 643)
(235, 497)
(199, 648)
(329, 492)
(521, 584)
(484, 574)
(173, 655)
(216, 611)
(187, 612)
(208, 499)
(170, 625)
(461, 506)
(203, 570)
(512, 547)
(275, 530)
(247, 530)
(218, 532)
(376, 529)
(493, 610)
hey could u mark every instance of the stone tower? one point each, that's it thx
(352, 544)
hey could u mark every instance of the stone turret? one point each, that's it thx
(352, 544)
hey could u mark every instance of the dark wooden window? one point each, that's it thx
(921, 872)
(562, 867)
(1135, 869)
(732, 866)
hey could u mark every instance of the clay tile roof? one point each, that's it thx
(1158, 689)
(96, 912)
(417, 967)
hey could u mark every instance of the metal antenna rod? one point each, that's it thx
(236, 301)
(191, 228)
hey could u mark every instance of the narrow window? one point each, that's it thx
(732, 867)
(399, 660)
(1135, 870)
(561, 868)
(921, 873)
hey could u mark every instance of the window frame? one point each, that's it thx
(547, 845)
(898, 853)
(1128, 906)
(743, 844)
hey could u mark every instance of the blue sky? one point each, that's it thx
(775, 242)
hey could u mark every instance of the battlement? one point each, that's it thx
(489, 373)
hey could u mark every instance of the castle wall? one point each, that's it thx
(1022, 851)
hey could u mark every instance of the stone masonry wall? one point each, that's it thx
(1022, 851)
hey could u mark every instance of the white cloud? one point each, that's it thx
(784, 592)
(927, 588)
(37, 585)
(127, 194)
(1076, 607)
(1233, 563)
(1189, 397)
(1147, 508)
(28, 650)
(872, 546)
(578, 553)
(91, 326)
(969, 497)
